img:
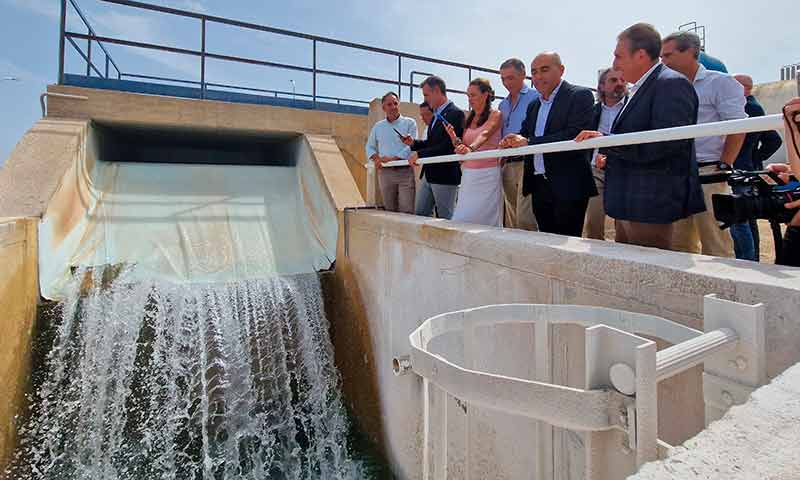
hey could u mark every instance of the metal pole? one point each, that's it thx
(399, 76)
(470, 74)
(314, 75)
(61, 40)
(106, 65)
(89, 57)
(203, 58)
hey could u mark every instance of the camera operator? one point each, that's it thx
(791, 239)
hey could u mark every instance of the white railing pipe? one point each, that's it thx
(747, 125)
(685, 355)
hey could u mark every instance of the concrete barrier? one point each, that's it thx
(18, 298)
(402, 270)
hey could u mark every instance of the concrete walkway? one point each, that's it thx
(757, 440)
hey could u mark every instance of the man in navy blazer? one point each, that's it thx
(561, 183)
(440, 181)
(650, 186)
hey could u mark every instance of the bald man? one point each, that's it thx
(561, 183)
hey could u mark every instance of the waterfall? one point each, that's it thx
(157, 380)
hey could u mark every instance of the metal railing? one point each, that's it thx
(87, 56)
(747, 125)
(204, 54)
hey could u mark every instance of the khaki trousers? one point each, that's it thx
(595, 225)
(700, 233)
(398, 188)
(518, 209)
(656, 235)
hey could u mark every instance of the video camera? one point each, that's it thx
(760, 195)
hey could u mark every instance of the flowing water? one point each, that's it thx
(154, 380)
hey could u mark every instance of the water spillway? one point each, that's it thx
(190, 339)
(152, 379)
(189, 206)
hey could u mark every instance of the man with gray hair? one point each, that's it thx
(518, 210)
(611, 92)
(721, 97)
(385, 144)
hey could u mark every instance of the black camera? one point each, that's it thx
(759, 195)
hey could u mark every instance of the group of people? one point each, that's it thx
(652, 191)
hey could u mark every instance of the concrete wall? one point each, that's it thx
(773, 96)
(395, 271)
(33, 171)
(349, 131)
(18, 297)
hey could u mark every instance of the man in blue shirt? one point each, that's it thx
(757, 147)
(518, 210)
(385, 144)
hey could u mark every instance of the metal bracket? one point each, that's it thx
(731, 376)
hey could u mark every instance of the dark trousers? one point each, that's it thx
(557, 216)
(756, 239)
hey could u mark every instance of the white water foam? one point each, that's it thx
(151, 380)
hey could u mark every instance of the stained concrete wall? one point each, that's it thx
(773, 96)
(18, 297)
(395, 271)
(349, 131)
(33, 171)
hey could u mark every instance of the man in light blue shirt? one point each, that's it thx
(518, 210)
(721, 98)
(385, 144)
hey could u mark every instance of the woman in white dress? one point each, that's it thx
(480, 197)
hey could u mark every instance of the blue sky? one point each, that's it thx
(751, 38)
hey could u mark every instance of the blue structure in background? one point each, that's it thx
(194, 92)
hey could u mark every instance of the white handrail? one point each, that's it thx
(747, 125)
(685, 355)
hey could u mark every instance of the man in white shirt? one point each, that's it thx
(611, 91)
(385, 144)
(721, 98)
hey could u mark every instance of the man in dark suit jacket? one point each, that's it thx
(440, 181)
(650, 186)
(561, 183)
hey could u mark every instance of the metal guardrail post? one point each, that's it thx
(314, 73)
(399, 76)
(203, 58)
(62, 40)
(107, 65)
(89, 57)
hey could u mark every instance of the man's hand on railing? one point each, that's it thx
(513, 140)
(412, 159)
(600, 161)
(587, 134)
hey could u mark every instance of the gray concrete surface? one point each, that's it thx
(757, 440)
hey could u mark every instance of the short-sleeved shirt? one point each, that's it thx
(383, 140)
(721, 98)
